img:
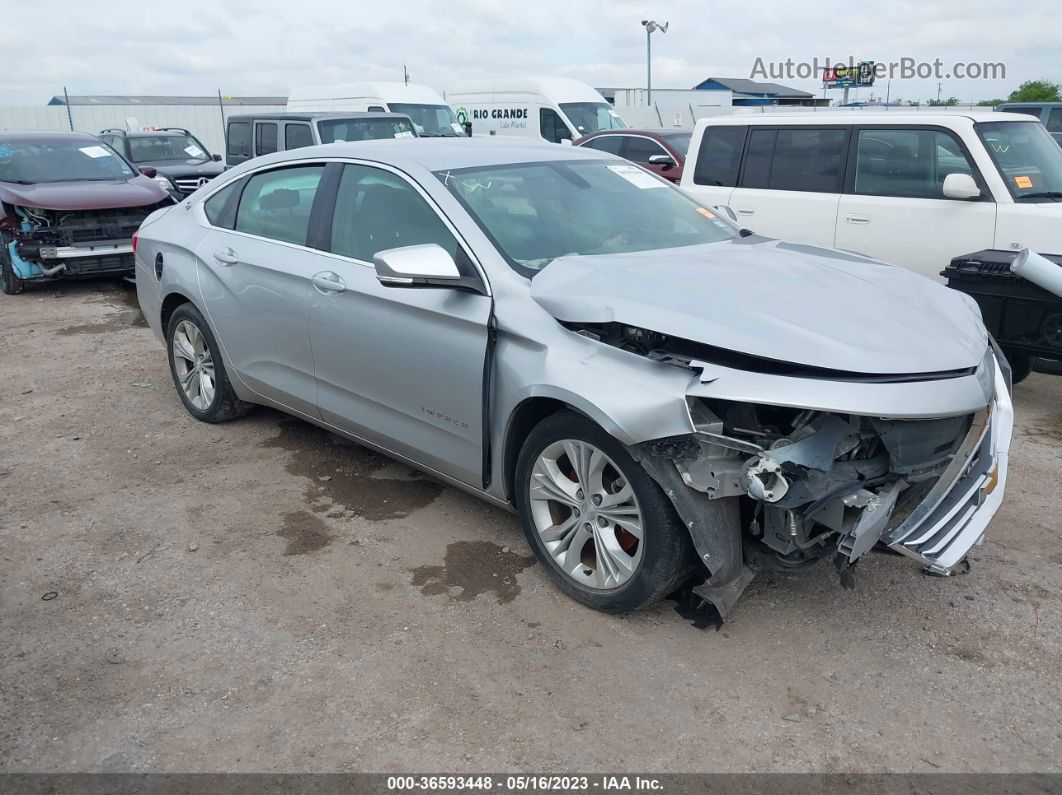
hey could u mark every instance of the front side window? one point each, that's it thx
(906, 162)
(431, 121)
(1028, 159)
(239, 140)
(276, 204)
(679, 141)
(591, 117)
(296, 136)
(719, 156)
(61, 160)
(536, 212)
(167, 148)
(339, 130)
(606, 143)
(377, 210)
(265, 138)
(641, 149)
(551, 127)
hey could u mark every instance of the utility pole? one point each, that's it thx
(405, 75)
(938, 92)
(650, 27)
(69, 115)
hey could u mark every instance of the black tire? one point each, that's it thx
(10, 284)
(1021, 364)
(225, 405)
(667, 559)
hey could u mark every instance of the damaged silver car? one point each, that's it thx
(664, 399)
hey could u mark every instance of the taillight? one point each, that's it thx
(134, 243)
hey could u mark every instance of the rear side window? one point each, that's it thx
(719, 156)
(239, 143)
(265, 138)
(606, 143)
(220, 208)
(276, 204)
(1054, 121)
(798, 159)
(297, 136)
(641, 149)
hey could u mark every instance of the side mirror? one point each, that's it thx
(216, 158)
(961, 186)
(427, 265)
(722, 209)
(149, 171)
(664, 161)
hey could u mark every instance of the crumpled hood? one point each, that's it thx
(135, 192)
(792, 303)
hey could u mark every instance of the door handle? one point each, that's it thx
(328, 282)
(225, 257)
(856, 218)
(746, 212)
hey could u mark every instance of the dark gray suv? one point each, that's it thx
(181, 162)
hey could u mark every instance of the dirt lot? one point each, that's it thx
(261, 595)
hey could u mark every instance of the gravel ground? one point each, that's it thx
(261, 595)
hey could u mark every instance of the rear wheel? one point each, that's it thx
(595, 518)
(197, 369)
(10, 284)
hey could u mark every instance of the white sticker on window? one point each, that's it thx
(193, 151)
(404, 134)
(636, 176)
(95, 151)
(457, 127)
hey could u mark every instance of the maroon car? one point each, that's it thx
(69, 205)
(661, 151)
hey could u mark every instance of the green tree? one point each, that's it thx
(1037, 91)
(990, 103)
(943, 103)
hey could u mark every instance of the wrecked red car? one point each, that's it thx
(69, 205)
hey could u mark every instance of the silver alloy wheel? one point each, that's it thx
(193, 364)
(586, 514)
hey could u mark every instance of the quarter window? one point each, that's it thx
(641, 149)
(297, 136)
(276, 204)
(1054, 121)
(377, 210)
(265, 138)
(239, 143)
(220, 208)
(719, 156)
(908, 163)
(798, 159)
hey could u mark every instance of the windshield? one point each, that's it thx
(679, 141)
(1027, 157)
(75, 160)
(167, 148)
(536, 212)
(590, 117)
(431, 121)
(339, 130)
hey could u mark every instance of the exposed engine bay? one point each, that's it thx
(43, 244)
(792, 485)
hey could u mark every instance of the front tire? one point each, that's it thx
(1021, 365)
(197, 369)
(10, 284)
(596, 520)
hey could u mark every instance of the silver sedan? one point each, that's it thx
(666, 400)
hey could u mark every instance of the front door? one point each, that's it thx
(895, 209)
(400, 367)
(253, 279)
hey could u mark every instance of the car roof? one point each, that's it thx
(437, 154)
(314, 116)
(827, 117)
(30, 136)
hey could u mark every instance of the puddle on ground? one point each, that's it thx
(474, 567)
(1042, 433)
(304, 532)
(128, 314)
(353, 474)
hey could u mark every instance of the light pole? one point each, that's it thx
(650, 26)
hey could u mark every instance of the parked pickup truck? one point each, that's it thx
(911, 189)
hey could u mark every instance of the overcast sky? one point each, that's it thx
(266, 47)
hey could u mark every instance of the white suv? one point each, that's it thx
(914, 189)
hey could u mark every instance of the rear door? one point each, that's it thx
(266, 137)
(712, 176)
(399, 367)
(791, 181)
(253, 274)
(894, 208)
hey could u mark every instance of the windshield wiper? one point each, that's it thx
(1043, 194)
(19, 181)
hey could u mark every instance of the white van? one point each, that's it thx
(913, 189)
(555, 109)
(431, 115)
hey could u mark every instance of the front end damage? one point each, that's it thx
(800, 484)
(44, 244)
